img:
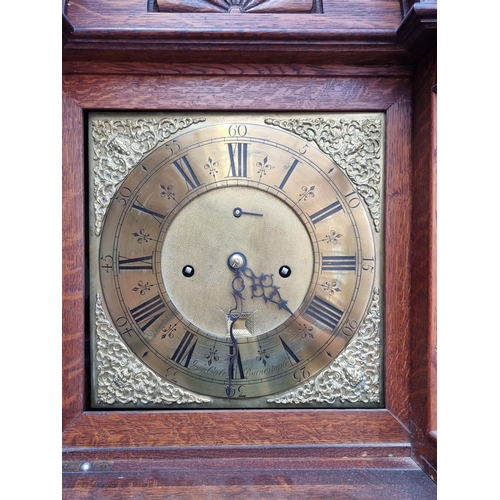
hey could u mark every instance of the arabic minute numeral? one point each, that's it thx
(353, 200)
(237, 130)
(368, 264)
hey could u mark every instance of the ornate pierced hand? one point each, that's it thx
(261, 286)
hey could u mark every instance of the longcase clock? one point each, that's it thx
(247, 254)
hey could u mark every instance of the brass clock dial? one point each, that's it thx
(235, 260)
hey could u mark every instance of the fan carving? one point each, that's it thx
(250, 6)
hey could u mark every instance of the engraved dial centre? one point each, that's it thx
(207, 236)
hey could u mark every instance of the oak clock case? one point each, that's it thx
(235, 259)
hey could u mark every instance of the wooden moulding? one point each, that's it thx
(423, 312)
(129, 430)
(250, 6)
(418, 29)
(67, 29)
(275, 14)
(355, 33)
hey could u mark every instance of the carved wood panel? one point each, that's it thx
(240, 6)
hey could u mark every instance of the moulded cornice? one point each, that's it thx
(418, 29)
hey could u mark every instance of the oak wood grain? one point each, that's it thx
(118, 56)
(398, 247)
(213, 92)
(214, 67)
(232, 427)
(188, 92)
(263, 6)
(73, 261)
(423, 307)
(361, 32)
(369, 452)
(356, 13)
(418, 29)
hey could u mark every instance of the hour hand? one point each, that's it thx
(261, 285)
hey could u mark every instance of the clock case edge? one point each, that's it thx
(89, 434)
(75, 406)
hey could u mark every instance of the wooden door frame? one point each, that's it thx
(115, 81)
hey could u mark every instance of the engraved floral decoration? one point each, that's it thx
(307, 192)
(262, 355)
(331, 287)
(212, 356)
(167, 192)
(142, 287)
(119, 145)
(263, 167)
(306, 331)
(122, 379)
(212, 167)
(355, 374)
(333, 238)
(355, 146)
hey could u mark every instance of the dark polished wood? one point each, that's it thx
(67, 29)
(358, 33)
(248, 6)
(118, 56)
(423, 311)
(418, 30)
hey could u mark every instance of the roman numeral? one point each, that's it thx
(288, 173)
(185, 349)
(185, 169)
(135, 263)
(238, 365)
(338, 263)
(148, 312)
(158, 217)
(324, 312)
(238, 155)
(291, 355)
(325, 212)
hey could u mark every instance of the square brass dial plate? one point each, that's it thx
(236, 259)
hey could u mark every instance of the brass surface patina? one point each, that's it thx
(236, 259)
